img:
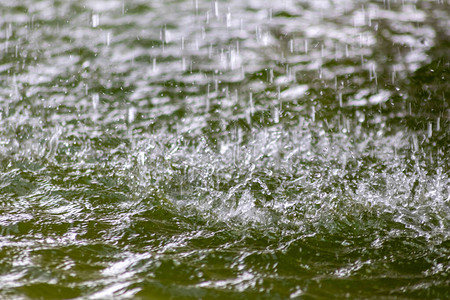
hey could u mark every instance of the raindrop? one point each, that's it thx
(131, 114)
(183, 64)
(166, 35)
(251, 103)
(154, 65)
(223, 59)
(207, 98)
(229, 17)
(216, 9)
(95, 100)
(108, 38)
(9, 31)
(95, 20)
(415, 143)
(276, 115)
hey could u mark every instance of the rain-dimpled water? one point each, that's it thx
(198, 149)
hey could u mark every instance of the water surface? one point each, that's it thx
(224, 149)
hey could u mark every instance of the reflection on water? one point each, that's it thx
(201, 149)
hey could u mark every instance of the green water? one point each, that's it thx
(224, 149)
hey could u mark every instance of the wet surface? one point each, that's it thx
(228, 149)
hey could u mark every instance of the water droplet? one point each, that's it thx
(95, 100)
(95, 20)
(108, 38)
(216, 9)
(131, 114)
